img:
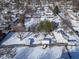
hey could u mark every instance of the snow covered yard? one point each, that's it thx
(29, 38)
(37, 52)
(33, 52)
(16, 38)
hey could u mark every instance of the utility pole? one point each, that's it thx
(70, 57)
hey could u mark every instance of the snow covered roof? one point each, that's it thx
(76, 28)
(45, 42)
(49, 36)
(72, 38)
(59, 37)
(57, 20)
(75, 23)
(31, 22)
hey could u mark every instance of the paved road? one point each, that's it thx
(35, 45)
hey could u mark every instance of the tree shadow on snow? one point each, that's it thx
(24, 53)
(74, 55)
(47, 55)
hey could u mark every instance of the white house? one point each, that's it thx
(59, 37)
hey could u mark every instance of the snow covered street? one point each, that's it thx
(39, 53)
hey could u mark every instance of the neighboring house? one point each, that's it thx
(71, 39)
(75, 25)
(18, 28)
(59, 37)
(4, 25)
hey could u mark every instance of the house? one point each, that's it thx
(75, 25)
(18, 28)
(59, 38)
(72, 40)
(46, 41)
(64, 34)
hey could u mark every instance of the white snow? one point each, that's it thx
(75, 23)
(72, 16)
(35, 52)
(59, 38)
(13, 40)
(39, 53)
(57, 20)
(45, 42)
(54, 52)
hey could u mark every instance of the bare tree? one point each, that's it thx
(21, 35)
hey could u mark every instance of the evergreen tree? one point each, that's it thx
(46, 26)
(56, 10)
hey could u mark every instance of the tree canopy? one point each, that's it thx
(46, 26)
(56, 10)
